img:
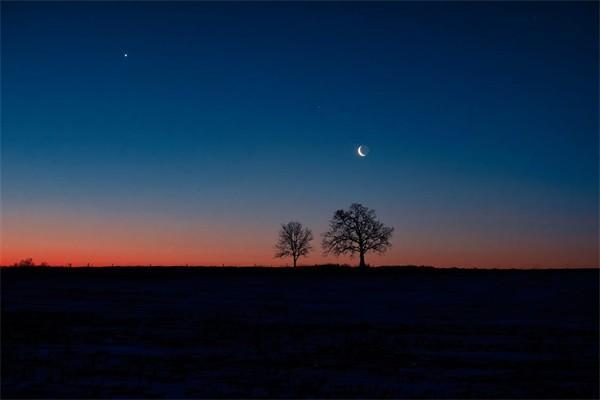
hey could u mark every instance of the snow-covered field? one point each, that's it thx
(299, 333)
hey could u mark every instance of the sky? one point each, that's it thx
(225, 120)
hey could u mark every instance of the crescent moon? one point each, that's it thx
(359, 151)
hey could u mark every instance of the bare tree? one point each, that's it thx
(356, 230)
(294, 240)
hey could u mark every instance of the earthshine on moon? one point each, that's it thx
(362, 151)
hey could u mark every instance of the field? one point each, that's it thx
(259, 332)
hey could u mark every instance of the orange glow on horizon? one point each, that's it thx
(62, 238)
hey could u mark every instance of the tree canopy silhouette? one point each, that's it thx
(356, 230)
(294, 241)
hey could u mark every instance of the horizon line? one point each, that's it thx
(341, 266)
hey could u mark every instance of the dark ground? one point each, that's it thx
(304, 333)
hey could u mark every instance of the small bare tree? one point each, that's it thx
(294, 240)
(356, 230)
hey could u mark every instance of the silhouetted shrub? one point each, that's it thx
(26, 262)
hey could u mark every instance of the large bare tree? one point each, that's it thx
(294, 241)
(356, 230)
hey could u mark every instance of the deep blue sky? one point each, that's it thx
(227, 119)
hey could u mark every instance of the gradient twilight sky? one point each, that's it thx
(227, 119)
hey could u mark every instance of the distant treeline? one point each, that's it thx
(28, 263)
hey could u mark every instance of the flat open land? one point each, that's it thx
(193, 332)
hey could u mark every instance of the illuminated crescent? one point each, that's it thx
(359, 151)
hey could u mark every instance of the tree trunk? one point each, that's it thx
(362, 260)
(294, 261)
